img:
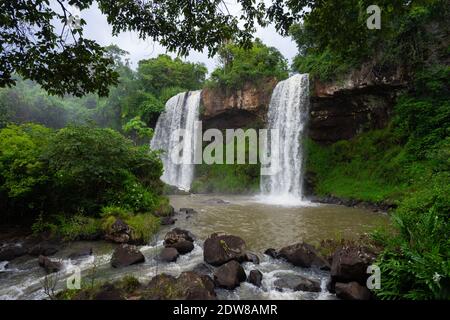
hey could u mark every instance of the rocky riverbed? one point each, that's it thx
(241, 256)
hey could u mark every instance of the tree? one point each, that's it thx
(60, 59)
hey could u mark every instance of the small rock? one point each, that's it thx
(180, 239)
(229, 275)
(187, 210)
(350, 264)
(126, 255)
(168, 255)
(221, 248)
(252, 257)
(271, 253)
(165, 221)
(109, 292)
(183, 246)
(297, 283)
(255, 277)
(202, 269)
(49, 265)
(303, 255)
(352, 291)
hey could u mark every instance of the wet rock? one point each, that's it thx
(229, 275)
(12, 251)
(215, 201)
(352, 291)
(4, 265)
(119, 232)
(255, 277)
(203, 269)
(180, 239)
(297, 283)
(252, 257)
(187, 210)
(168, 255)
(126, 255)
(49, 266)
(188, 286)
(221, 248)
(84, 252)
(271, 253)
(303, 255)
(109, 292)
(44, 249)
(165, 221)
(350, 264)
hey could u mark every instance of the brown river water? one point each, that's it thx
(260, 224)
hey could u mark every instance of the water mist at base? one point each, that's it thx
(181, 112)
(288, 113)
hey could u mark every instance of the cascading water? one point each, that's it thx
(181, 112)
(288, 113)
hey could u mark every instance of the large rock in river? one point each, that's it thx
(303, 255)
(229, 275)
(180, 239)
(49, 266)
(188, 286)
(119, 232)
(126, 255)
(168, 255)
(221, 248)
(297, 283)
(350, 264)
(255, 278)
(352, 291)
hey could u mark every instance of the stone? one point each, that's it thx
(109, 292)
(229, 275)
(203, 269)
(84, 252)
(252, 257)
(44, 249)
(165, 221)
(297, 283)
(168, 255)
(126, 255)
(221, 248)
(255, 277)
(119, 232)
(352, 291)
(182, 246)
(271, 252)
(350, 264)
(303, 255)
(12, 251)
(49, 266)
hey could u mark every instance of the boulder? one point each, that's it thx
(271, 252)
(352, 291)
(168, 255)
(187, 210)
(303, 255)
(252, 257)
(119, 232)
(221, 248)
(255, 277)
(44, 248)
(180, 239)
(229, 275)
(166, 221)
(188, 286)
(297, 283)
(350, 264)
(12, 251)
(203, 269)
(84, 252)
(49, 266)
(126, 255)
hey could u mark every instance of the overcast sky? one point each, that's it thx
(97, 28)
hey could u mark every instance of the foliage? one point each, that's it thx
(241, 65)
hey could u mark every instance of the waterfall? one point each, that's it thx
(181, 112)
(288, 112)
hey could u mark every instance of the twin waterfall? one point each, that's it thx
(288, 113)
(181, 112)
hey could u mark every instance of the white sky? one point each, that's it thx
(97, 28)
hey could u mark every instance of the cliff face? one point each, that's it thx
(224, 108)
(339, 110)
(361, 101)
